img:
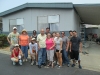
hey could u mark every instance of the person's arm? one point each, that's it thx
(53, 45)
(38, 42)
(8, 39)
(70, 44)
(80, 46)
(61, 45)
(30, 48)
(36, 48)
(67, 44)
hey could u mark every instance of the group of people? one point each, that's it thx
(45, 48)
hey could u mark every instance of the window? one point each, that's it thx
(16, 23)
(48, 21)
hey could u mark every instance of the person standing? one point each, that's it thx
(41, 40)
(65, 47)
(13, 38)
(33, 47)
(24, 42)
(58, 43)
(34, 35)
(70, 36)
(50, 44)
(75, 48)
(47, 30)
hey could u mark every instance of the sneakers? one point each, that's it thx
(73, 65)
(32, 63)
(59, 67)
(26, 60)
(39, 66)
(68, 65)
(20, 62)
(14, 63)
(36, 63)
(80, 67)
(23, 60)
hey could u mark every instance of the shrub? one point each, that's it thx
(3, 40)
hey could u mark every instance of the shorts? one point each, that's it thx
(58, 51)
(75, 55)
(13, 59)
(11, 47)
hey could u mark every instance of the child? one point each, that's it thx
(33, 51)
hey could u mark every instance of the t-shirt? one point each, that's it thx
(70, 37)
(64, 40)
(13, 38)
(75, 43)
(16, 52)
(24, 40)
(57, 42)
(42, 40)
(49, 43)
(33, 47)
(34, 36)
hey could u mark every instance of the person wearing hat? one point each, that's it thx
(24, 42)
(16, 55)
(33, 47)
(13, 38)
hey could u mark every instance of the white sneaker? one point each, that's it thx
(26, 60)
(32, 63)
(14, 63)
(23, 60)
(36, 63)
(20, 62)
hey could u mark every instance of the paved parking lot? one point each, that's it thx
(6, 68)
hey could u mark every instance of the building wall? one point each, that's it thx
(76, 22)
(68, 18)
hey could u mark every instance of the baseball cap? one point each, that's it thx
(33, 39)
(14, 27)
(16, 45)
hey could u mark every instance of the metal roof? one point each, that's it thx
(89, 13)
(37, 5)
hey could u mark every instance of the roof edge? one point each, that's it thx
(37, 5)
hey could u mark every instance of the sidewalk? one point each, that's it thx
(89, 61)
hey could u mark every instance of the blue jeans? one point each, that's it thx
(65, 57)
(41, 56)
(25, 51)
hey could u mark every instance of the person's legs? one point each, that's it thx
(79, 61)
(14, 60)
(36, 58)
(63, 58)
(60, 59)
(23, 50)
(44, 56)
(26, 52)
(65, 54)
(51, 57)
(57, 57)
(32, 57)
(11, 48)
(40, 57)
(48, 55)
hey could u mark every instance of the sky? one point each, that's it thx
(8, 4)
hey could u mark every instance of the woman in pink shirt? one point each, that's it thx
(50, 44)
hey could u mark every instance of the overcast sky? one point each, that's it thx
(8, 4)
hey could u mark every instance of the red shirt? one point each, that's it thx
(16, 52)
